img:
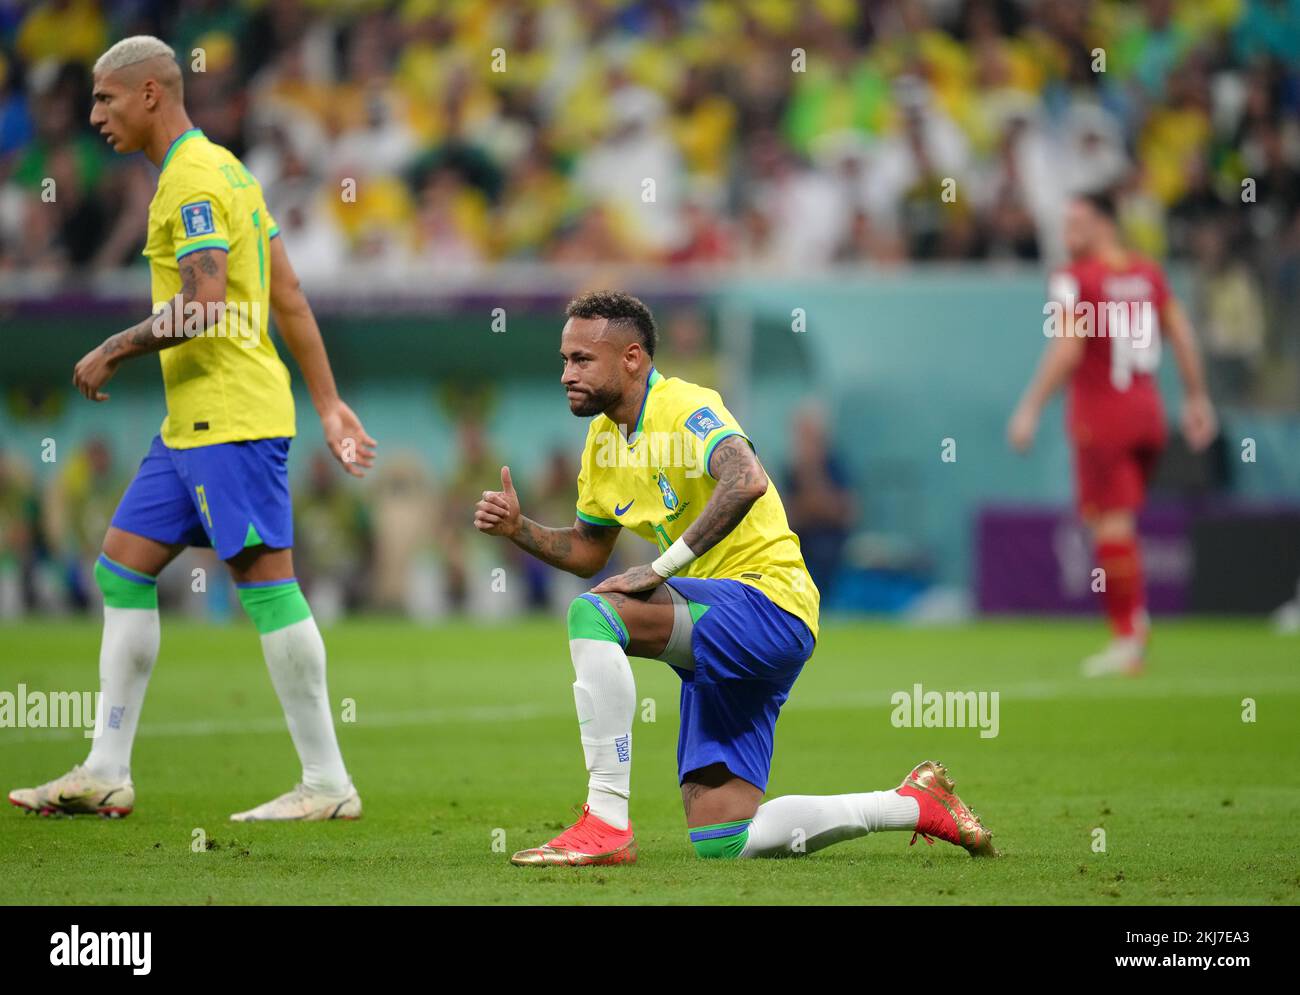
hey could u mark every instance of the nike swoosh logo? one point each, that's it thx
(618, 512)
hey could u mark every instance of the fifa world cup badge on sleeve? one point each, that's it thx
(703, 422)
(198, 218)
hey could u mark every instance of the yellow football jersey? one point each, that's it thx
(227, 384)
(658, 484)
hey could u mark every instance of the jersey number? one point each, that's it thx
(203, 504)
(1134, 347)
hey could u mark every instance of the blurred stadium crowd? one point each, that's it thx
(787, 135)
(777, 133)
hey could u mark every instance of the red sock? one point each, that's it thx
(1123, 597)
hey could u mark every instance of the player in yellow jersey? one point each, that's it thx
(728, 604)
(217, 473)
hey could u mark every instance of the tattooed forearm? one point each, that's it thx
(554, 546)
(139, 338)
(582, 549)
(741, 482)
(178, 322)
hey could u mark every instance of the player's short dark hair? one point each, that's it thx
(1103, 202)
(620, 309)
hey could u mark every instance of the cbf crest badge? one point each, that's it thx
(666, 489)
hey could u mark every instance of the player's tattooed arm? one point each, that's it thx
(200, 303)
(554, 546)
(741, 482)
(582, 549)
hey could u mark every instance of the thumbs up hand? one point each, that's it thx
(498, 513)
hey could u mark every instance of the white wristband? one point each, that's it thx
(675, 557)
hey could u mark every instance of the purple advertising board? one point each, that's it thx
(1040, 560)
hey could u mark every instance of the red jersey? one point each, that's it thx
(1113, 396)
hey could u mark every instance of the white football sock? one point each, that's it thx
(795, 824)
(295, 656)
(605, 696)
(127, 653)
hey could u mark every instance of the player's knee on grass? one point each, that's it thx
(593, 617)
(123, 587)
(725, 841)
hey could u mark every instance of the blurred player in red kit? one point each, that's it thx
(1108, 312)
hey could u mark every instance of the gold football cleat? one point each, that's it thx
(942, 813)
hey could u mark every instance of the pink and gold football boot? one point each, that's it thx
(590, 840)
(943, 814)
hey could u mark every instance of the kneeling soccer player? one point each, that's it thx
(729, 605)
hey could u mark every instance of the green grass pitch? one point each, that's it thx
(464, 745)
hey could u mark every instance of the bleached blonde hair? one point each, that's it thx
(129, 51)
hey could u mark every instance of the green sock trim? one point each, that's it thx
(122, 593)
(592, 617)
(724, 841)
(275, 606)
